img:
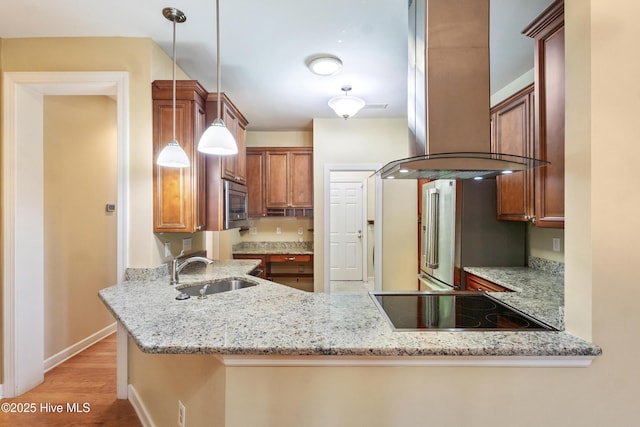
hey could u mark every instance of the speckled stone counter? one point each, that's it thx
(289, 248)
(275, 320)
(537, 293)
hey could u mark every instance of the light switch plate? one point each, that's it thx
(300, 231)
(278, 230)
(167, 249)
(186, 244)
(556, 244)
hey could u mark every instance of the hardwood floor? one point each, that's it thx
(83, 389)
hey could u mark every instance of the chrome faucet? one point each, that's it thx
(176, 267)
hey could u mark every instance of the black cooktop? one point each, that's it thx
(452, 311)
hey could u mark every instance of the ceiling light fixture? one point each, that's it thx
(217, 139)
(346, 106)
(326, 65)
(172, 155)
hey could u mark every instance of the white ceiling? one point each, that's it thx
(264, 46)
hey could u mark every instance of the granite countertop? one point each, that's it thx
(275, 320)
(275, 248)
(537, 293)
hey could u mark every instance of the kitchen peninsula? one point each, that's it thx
(206, 352)
(275, 320)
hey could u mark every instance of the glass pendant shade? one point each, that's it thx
(346, 106)
(173, 156)
(217, 139)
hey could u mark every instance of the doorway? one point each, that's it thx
(23, 211)
(352, 227)
(348, 234)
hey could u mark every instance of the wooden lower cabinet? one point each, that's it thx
(293, 270)
(475, 283)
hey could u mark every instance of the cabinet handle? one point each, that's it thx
(292, 258)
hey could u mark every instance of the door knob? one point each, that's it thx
(359, 234)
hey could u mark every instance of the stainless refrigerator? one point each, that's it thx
(460, 229)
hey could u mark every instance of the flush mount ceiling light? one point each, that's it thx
(326, 65)
(172, 155)
(346, 106)
(217, 139)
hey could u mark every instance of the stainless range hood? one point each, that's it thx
(449, 95)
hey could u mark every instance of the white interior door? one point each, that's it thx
(347, 228)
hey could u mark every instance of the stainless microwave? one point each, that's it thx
(235, 205)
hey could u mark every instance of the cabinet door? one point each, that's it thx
(255, 183)
(200, 187)
(277, 182)
(173, 201)
(301, 177)
(512, 133)
(548, 33)
(230, 163)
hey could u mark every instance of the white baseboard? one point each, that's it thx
(138, 406)
(71, 351)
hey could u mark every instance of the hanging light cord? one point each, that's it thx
(218, 55)
(174, 78)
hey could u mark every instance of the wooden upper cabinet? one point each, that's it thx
(277, 181)
(512, 133)
(301, 179)
(280, 181)
(234, 167)
(548, 33)
(220, 168)
(255, 183)
(178, 196)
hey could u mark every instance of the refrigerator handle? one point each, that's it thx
(433, 213)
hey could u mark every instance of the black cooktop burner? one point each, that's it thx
(453, 310)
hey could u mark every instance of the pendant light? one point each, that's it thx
(217, 139)
(172, 155)
(346, 106)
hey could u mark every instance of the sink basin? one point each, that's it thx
(225, 285)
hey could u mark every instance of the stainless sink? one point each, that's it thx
(203, 289)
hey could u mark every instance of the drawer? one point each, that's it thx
(290, 258)
(475, 283)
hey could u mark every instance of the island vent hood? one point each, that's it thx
(449, 96)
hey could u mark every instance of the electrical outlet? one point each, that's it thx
(556, 244)
(167, 249)
(300, 231)
(253, 230)
(278, 230)
(182, 414)
(186, 244)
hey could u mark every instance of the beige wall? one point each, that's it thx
(198, 381)
(279, 139)
(80, 141)
(358, 141)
